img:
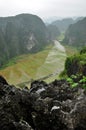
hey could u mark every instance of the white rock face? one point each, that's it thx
(31, 42)
(40, 90)
(55, 108)
(30, 46)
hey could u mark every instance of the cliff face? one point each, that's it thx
(76, 34)
(21, 34)
(53, 106)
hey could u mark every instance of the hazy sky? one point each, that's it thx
(43, 8)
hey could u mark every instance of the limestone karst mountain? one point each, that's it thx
(21, 34)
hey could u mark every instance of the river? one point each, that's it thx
(54, 62)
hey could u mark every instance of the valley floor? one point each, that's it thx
(47, 63)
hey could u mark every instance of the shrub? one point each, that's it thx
(76, 65)
(83, 50)
(77, 80)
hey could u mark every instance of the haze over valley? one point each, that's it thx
(33, 50)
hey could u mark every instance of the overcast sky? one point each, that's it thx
(43, 8)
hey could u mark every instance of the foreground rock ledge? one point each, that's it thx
(53, 106)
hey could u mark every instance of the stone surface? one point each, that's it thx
(53, 106)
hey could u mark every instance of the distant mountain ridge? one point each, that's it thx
(76, 34)
(21, 34)
(64, 23)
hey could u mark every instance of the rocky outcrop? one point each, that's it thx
(53, 106)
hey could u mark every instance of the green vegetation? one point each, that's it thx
(77, 80)
(75, 69)
(70, 50)
(9, 63)
(76, 64)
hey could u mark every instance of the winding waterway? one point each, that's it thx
(54, 62)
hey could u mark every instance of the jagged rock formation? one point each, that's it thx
(21, 34)
(53, 106)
